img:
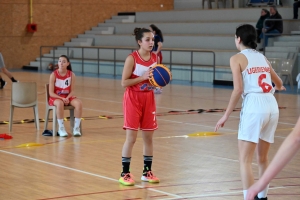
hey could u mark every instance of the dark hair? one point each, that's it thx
(139, 33)
(69, 67)
(157, 31)
(266, 11)
(275, 8)
(247, 33)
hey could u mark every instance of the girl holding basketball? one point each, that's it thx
(139, 105)
(158, 44)
(61, 91)
(252, 78)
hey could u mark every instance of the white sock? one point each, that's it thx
(264, 193)
(77, 122)
(61, 123)
(245, 193)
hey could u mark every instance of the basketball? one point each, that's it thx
(160, 76)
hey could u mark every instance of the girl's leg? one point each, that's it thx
(78, 113)
(126, 178)
(148, 143)
(263, 162)
(148, 156)
(131, 136)
(78, 107)
(246, 151)
(60, 117)
(2, 82)
(7, 73)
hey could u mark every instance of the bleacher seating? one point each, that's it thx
(183, 29)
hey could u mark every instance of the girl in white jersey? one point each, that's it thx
(139, 105)
(252, 78)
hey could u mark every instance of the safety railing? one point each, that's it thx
(114, 60)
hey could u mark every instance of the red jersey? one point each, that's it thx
(62, 84)
(140, 67)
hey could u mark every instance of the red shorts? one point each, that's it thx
(139, 110)
(160, 57)
(52, 99)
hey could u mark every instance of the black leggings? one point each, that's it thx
(296, 5)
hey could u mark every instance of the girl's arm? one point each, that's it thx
(237, 89)
(72, 86)
(275, 78)
(51, 87)
(286, 152)
(159, 47)
(127, 71)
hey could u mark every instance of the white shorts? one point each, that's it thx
(258, 118)
(1, 61)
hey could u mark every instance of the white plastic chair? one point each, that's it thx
(283, 67)
(54, 118)
(286, 70)
(276, 64)
(24, 95)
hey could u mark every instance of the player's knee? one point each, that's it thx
(59, 104)
(245, 159)
(261, 159)
(77, 104)
(131, 140)
(148, 140)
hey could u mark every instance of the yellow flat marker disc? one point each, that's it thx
(32, 144)
(201, 134)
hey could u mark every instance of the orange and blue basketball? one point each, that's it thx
(160, 76)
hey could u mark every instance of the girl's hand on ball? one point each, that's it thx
(146, 75)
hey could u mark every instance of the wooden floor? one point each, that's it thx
(88, 167)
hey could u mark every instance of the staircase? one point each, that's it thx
(211, 30)
(85, 40)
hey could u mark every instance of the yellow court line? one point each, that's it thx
(119, 140)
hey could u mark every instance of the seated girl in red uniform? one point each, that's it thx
(61, 91)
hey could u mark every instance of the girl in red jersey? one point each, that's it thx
(61, 91)
(139, 105)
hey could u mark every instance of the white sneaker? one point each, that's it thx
(76, 132)
(62, 132)
(157, 91)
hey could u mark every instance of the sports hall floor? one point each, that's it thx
(88, 167)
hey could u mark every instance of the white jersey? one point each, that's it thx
(257, 75)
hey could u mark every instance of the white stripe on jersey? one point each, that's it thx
(141, 69)
(62, 84)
